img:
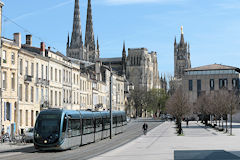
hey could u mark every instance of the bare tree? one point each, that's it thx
(203, 107)
(178, 106)
(138, 97)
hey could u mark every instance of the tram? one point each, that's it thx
(57, 129)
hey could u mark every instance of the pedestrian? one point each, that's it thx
(187, 122)
(145, 127)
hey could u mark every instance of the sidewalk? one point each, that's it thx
(162, 143)
(8, 146)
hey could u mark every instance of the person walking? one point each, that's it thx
(145, 127)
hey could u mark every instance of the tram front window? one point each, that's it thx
(47, 128)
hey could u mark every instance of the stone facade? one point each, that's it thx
(208, 79)
(181, 57)
(142, 69)
(35, 78)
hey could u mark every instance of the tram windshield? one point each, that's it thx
(46, 125)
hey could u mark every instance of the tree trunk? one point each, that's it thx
(226, 124)
(180, 127)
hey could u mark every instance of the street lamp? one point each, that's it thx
(111, 102)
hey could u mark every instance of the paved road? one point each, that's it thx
(85, 152)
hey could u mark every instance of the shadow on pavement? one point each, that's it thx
(30, 149)
(205, 155)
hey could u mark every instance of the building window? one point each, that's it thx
(66, 76)
(20, 92)
(64, 96)
(37, 70)
(199, 85)
(21, 66)
(42, 70)
(4, 58)
(13, 58)
(26, 118)
(20, 117)
(7, 112)
(26, 93)
(51, 96)
(32, 91)
(74, 79)
(56, 75)
(190, 86)
(26, 68)
(51, 73)
(234, 83)
(60, 76)
(223, 83)
(36, 94)
(211, 84)
(32, 117)
(13, 81)
(63, 75)
(32, 69)
(67, 96)
(46, 73)
(42, 97)
(69, 77)
(4, 79)
(60, 99)
(55, 98)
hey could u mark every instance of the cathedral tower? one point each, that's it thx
(181, 56)
(89, 35)
(75, 48)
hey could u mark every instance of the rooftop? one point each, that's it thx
(213, 67)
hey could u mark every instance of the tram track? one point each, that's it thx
(133, 130)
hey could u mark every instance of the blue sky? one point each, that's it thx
(212, 27)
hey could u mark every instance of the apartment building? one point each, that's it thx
(36, 78)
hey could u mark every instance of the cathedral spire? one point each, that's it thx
(76, 39)
(97, 44)
(124, 49)
(68, 41)
(124, 59)
(182, 36)
(89, 35)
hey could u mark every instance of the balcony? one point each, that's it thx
(44, 105)
(27, 78)
(38, 80)
(45, 82)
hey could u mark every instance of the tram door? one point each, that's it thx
(74, 132)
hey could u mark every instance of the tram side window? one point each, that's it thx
(75, 127)
(98, 124)
(119, 121)
(88, 126)
(114, 121)
(106, 123)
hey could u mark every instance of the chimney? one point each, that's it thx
(29, 39)
(42, 49)
(17, 39)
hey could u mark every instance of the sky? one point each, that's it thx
(211, 27)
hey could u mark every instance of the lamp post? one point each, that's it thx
(231, 122)
(110, 103)
(1, 5)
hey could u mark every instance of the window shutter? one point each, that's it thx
(5, 111)
(10, 109)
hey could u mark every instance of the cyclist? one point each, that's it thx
(145, 127)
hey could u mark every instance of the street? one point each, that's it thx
(133, 130)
